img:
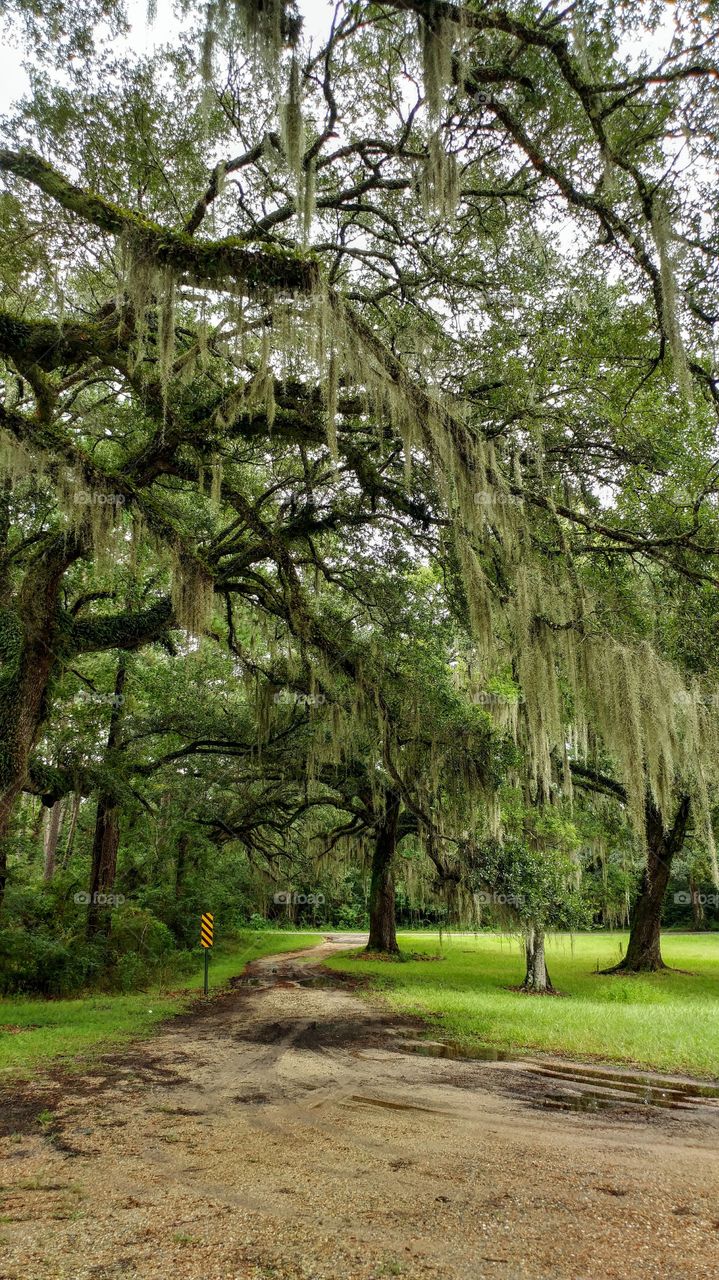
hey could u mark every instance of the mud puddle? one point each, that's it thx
(589, 1089)
(459, 1052)
(578, 1088)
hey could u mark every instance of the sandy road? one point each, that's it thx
(284, 1131)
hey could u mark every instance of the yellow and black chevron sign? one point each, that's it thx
(207, 929)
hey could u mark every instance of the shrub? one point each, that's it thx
(36, 963)
(136, 931)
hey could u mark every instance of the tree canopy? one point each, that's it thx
(359, 433)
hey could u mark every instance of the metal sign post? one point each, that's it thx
(207, 938)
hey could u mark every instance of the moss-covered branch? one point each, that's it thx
(224, 264)
(52, 346)
(120, 630)
(51, 783)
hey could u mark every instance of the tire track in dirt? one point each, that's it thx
(284, 1130)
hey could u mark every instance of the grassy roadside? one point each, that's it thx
(35, 1033)
(666, 1021)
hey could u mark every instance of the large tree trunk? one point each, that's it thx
(33, 638)
(382, 930)
(104, 864)
(697, 905)
(8, 799)
(72, 831)
(28, 641)
(644, 953)
(106, 840)
(53, 822)
(22, 711)
(536, 979)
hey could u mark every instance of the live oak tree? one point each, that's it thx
(662, 846)
(422, 760)
(272, 317)
(283, 745)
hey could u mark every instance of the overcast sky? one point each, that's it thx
(143, 37)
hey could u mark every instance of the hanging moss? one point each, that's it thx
(216, 485)
(585, 692)
(275, 24)
(265, 26)
(581, 47)
(332, 401)
(192, 595)
(661, 229)
(439, 181)
(16, 462)
(151, 292)
(436, 34)
(209, 40)
(308, 199)
(166, 332)
(293, 125)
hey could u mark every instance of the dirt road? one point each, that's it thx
(286, 1130)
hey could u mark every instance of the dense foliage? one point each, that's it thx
(358, 520)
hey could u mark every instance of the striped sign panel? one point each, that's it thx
(207, 929)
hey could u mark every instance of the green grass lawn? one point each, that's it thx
(71, 1031)
(668, 1021)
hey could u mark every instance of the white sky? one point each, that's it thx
(144, 38)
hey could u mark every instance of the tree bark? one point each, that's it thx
(106, 840)
(644, 953)
(536, 979)
(104, 864)
(30, 640)
(53, 822)
(74, 815)
(382, 928)
(697, 905)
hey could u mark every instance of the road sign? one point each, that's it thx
(207, 938)
(207, 929)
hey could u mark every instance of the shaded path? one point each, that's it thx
(283, 1130)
